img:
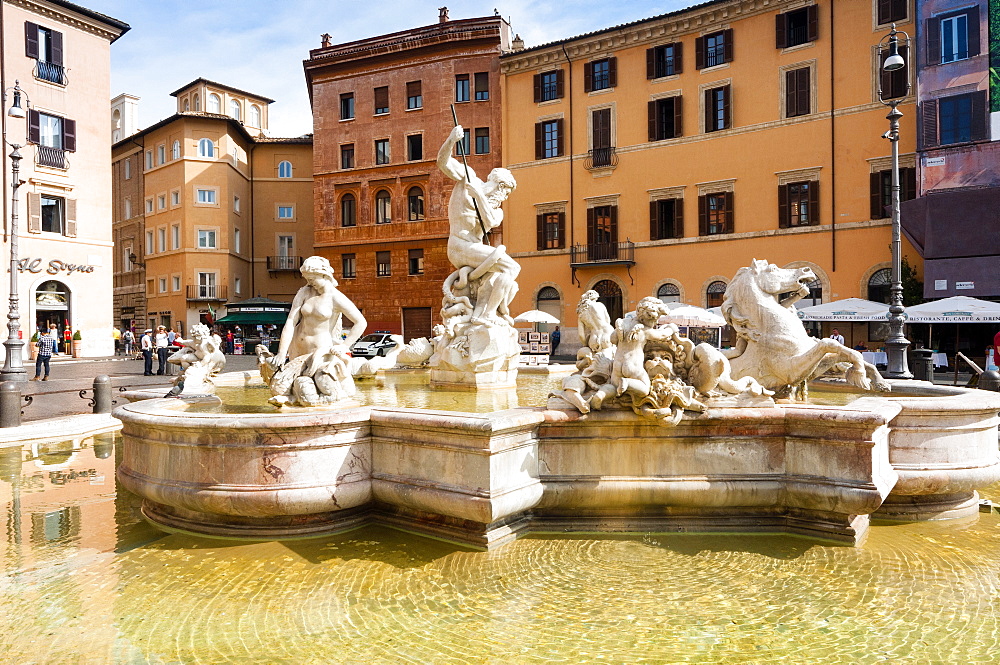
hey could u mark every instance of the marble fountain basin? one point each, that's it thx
(482, 479)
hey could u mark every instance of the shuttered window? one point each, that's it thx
(715, 213)
(381, 100)
(955, 119)
(551, 230)
(664, 60)
(602, 233)
(798, 204)
(889, 11)
(881, 190)
(600, 74)
(548, 86)
(797, 92)
(717, 109)
(666, 219)
(665, 118)
(549, 139)
(800, 26)
(713, 49)
(414, 98)
(953, 36)
(482, 86)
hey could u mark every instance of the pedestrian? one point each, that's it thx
(555, 339)
(128, 341)
(161, 344)
(117, 334)
(836, 336)
(171, 336)
(146, 346)
(46, 344)
(229, 342)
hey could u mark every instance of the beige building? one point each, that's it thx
(59, 54)
(208, 210)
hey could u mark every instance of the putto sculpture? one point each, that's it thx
(313, 364)
(200, 358)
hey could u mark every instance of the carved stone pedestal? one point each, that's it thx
(477, 357)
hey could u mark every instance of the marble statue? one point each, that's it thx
(418, 351)
(479, 344)
(364, 368)
(312, 365)
(773, 346)
(200, 358)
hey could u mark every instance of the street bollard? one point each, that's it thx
(10, 404)
(102, 394)
(990, 381)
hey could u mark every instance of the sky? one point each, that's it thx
(259, 45)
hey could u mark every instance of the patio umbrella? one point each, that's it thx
(848, 309)
(535, 316)
(689, 315)
(956, 309)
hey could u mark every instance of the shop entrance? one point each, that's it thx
(52, 306)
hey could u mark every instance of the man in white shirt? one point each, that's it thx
(146, 346)
(161, 341)
(836, 336)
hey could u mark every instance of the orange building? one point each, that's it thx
(657, 158)
(381, 109)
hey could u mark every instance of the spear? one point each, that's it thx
(475, 205)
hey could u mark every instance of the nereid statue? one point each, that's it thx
(200, 358)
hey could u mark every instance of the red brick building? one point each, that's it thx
(381, 109)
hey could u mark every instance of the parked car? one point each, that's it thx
(372, 344)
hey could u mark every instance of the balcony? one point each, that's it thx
(48, 156)
(283, 263)
(601, 158)
(51, 72)
(206, 292)
(616, 253)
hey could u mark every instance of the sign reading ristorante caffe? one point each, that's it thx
(53, 267)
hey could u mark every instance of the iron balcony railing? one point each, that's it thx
(600, 158)
(278, 263)
(206, 292)
(605, 252)
(51, 72)
(48, 156)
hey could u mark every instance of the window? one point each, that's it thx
(383, 207)
(237, 240)
(895, 84)
(462, 147)
(254, 115)
(666, 219)
(128, 208)
(414, 99)
(382, 151)
(53, 214)
(206, 148)
(717, 109)
(881, 190)
(286, 212)
(214, 104)
(285, 169)
(602, 233)
(462, 88)
(206, 285)
(665, 118)
(161, 239)
(548, 86)
(234, 109)
(715, 213)
(46, 46)
(206, 196)
(551, 230)
(482, 140)
(126, 258)
(600, 74)
(206, 239)
(175, 151)
(383, 264)
(415, 204)
(880, 286)
(663, 61)
(416, 261)
(549, 139)
(161, 154)
(149, 159)
(953, 36)
(175, 283)
(715, 294)
(414, 147)
(800, 26)
(668, 293)
(175, 236)
(347, 156)
(236, 204)
(482, 85)
(955, 119)
(163, 285)
(713, 49)
(149, 242)
(381, 100)
(286, 249)
(128, 169)
(798, 94)
(602, 150)
(347, 106)
(149, 206)
(161, 202)
(798, 204)
(890, 11)
(348, 266)
(348, 210)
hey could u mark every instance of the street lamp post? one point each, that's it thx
(13, 368)
(896, 344)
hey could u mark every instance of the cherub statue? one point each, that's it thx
(200, 358)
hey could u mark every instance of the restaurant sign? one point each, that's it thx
(53, 267)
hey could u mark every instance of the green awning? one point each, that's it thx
(254, 318)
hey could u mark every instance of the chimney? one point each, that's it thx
(443, 15)
(325, 37)
(517, 44)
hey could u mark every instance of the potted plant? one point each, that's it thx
(32, 349)
(76, 343)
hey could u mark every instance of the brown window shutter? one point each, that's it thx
(812, 19)
(482, 81)
(654, 220)
(650, 63)
(540, 222)
(614, 224)
(678, 218)
(71, 218)
(562, 230)
(791, 96)
(884, 11)
(559, 83)
(34, 127)
(560, 140)
(613, 71)
(780, 22)
(382, 97)
(699, 53)
(31, 40)
(57, 48)
(909, 184)
(539, 141)
(802, 91)
(814, 202)
(709, 116)
(980, 130)
(588, 77)
(34, 213)
(413, 89)
(678, 118)
(875, 195)
(730, 213)
(727, 118)
(703, 215)
(69, 135)
(784, 218)
(591, 231)
(727, 46)
(537, 81)
(973, 25)
(933, 41)
(678, 60)
(654, 132)
(929, 123)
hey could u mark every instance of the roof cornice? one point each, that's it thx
(76, 16)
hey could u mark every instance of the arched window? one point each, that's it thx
(548, 301)
(669, 293)
(716, 292)
(285, 169)
(187, 105)
(176, 150)
(197, 103)
(348, 210)
(214, 104)
(879, 285)
(415, 204)
(206, 148)
(383, 207)
(254, 116)
(610, 295)
(234, 108)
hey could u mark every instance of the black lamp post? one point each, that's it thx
(13, 368)
(896, 343)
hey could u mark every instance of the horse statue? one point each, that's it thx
(773, 346)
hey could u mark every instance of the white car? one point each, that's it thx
(373, 344)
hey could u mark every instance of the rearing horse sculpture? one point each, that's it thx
(773, 346)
